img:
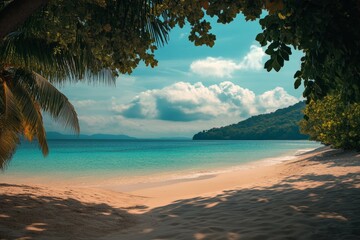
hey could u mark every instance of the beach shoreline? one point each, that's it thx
(309, 196)
(148, 180)
(125, 163)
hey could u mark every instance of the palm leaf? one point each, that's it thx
(8, 143)
(30, 109)
(158, 30)
(142, 14)
(10, 122)
(55, 103)
(25, 51)
(34, 86)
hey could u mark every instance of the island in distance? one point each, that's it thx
(279, 125)
(102, 136)
(58, 136)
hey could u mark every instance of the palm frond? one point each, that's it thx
(142, 14)
(29, 108)
(40, 132)
(22, 50)
(11, 114)
(156, 23)
(158, 30)
(8, 143)
(10, 122)
(55, 103)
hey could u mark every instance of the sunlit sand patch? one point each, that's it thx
(313, 195)
(299, 208)
(199, 236)
(210, 205)
(332, 215)
(307, 185)
(223, 199)
(36, 227)
(263, 199)
(106, 213)
(147, 230)
(233, 236)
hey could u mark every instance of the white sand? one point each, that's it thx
(316, 196)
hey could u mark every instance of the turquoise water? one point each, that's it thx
(122, 158)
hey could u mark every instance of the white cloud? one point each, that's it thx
(148, 128)
(186, 102)
(253, 60)
(277, 98)
(83, 103)
(220, 67)
(180, 109)
(214, 67)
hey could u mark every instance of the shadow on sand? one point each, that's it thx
(27, 216)
(328, 211)
(311, 206)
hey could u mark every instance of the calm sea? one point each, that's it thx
(122, 159)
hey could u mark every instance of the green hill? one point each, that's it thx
(279, 125)
(59, 136)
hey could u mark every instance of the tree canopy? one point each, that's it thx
(63, 40)
(23, 95)
(66, 40)
(333, 122)
(325, 31)
(117, 35)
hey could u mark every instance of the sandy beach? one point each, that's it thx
(315, 196)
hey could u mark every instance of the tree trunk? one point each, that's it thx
(16, 13)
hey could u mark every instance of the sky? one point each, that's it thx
(192, 88)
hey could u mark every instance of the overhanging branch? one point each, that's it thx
(16, 13)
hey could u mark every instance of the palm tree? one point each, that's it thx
(23, 95)
(28, 57)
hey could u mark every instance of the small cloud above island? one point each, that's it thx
(224, 68)
(184, 102)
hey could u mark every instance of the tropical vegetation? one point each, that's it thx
(333, 122)
(95, 40)
(23, 95)
(67, 41)
(326, 32)
(283, 124)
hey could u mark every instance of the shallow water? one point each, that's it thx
(81, 160)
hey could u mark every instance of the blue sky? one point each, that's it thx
(191, 89)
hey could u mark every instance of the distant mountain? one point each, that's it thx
(56, 135)
(174, 138)
(279, 125)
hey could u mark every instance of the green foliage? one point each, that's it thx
(333, 122)
(98, 39)
(325, 31)
(281, 124)
(23, 95)
(69, 40)
(78, 39)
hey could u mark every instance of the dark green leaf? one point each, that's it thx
(297, 83)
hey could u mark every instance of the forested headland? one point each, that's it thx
(279, 125)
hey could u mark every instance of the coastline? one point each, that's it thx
(125, 163)
(309, 197)
(130, 183)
